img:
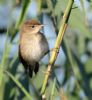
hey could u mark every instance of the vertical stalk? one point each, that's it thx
(57, 44)
(21, 17)
(53, 89)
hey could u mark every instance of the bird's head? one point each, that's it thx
(31, 27)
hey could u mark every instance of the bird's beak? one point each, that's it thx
(42, 25)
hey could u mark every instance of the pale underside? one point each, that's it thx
(33, 48)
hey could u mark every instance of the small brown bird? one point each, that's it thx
(33, 46)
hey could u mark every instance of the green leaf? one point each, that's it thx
(1, 76)
(77, 21)
(88, 66)
(18, 84)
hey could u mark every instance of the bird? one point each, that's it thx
(33, 46)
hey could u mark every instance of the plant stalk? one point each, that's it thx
(57, 44)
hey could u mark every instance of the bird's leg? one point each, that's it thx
(53, 49)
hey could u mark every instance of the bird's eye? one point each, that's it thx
(32, 26)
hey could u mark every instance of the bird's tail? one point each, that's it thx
(30, 70)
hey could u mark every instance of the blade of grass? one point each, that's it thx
(53, 89)
(5, 53)
(39, 2)
(18, 84)
(21, 17)
(85, 79)
(23, 12)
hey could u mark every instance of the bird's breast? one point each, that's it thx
(32, 48)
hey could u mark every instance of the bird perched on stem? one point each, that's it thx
(33, 46)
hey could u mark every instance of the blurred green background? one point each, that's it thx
(72, 71)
